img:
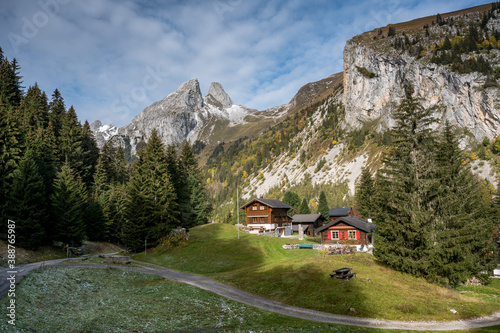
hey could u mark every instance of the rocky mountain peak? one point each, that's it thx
(187, 95)
(218, 96)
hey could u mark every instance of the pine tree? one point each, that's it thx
(28, 205)
(292, 199)
(10, 83)
(57, 112)
(120, 166)
(71, 143)
(323, 207)
(151, 203)
(68, 205)
(35, 109)
(464, 229)
(198, 202)
(365, 194)
(90, 154)
(304, 207)
(405, 231)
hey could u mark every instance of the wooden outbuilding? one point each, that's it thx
(309, 222)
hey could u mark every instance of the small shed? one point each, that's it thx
(347, 230)
(309, 223)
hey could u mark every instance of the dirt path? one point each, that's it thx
(266, 304)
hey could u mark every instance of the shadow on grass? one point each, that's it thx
(306, 286)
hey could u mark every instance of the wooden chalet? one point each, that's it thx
(265, 215)
(348, 230)
(335, 213)
(309, 222)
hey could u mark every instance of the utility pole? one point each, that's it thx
(238, 209)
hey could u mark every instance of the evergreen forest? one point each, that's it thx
(59, 188)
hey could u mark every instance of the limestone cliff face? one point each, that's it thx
(462, 98)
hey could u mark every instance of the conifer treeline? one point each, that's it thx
(57, 186)
(434, 218)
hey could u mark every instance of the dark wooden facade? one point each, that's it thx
(309, 222)
(267, 214)
(349, 230)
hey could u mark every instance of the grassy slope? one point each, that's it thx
(300, 277)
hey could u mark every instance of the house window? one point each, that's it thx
(262, 207)
(335, 234)
(262, 220)
(254, 207)
(352, 234)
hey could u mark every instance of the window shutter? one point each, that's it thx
(346, 235)
(340, 234)
(329, 233)
(357, 235)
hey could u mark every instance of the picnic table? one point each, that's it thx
(343, 273)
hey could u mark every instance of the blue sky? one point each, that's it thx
(112, 58)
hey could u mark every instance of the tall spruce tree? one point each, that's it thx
(323, 207)
(27, 203)
(291, 198)
(71, 143)
(405, 230)
(464, 227)
(35, 109)
(90, 154)
(57, 112)
(365, 194)
(151, 208)
(304, 207)
(68, 205)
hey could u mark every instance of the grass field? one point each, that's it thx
(300, 277)
(74, 300)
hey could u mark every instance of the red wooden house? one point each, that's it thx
(268, 215)
(347, 230)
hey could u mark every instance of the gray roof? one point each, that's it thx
(295, 227)
(271, 203)
(354, 221)
(304, 218)
(339, 211)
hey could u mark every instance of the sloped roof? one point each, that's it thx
(273, 203)
(304, 218)
(354, 221)
(339, 211)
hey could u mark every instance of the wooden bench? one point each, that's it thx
(305, 246)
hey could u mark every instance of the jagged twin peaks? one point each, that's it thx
(182, 115)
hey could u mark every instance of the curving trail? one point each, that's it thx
(264, 303)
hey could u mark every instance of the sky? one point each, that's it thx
(112, 58)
